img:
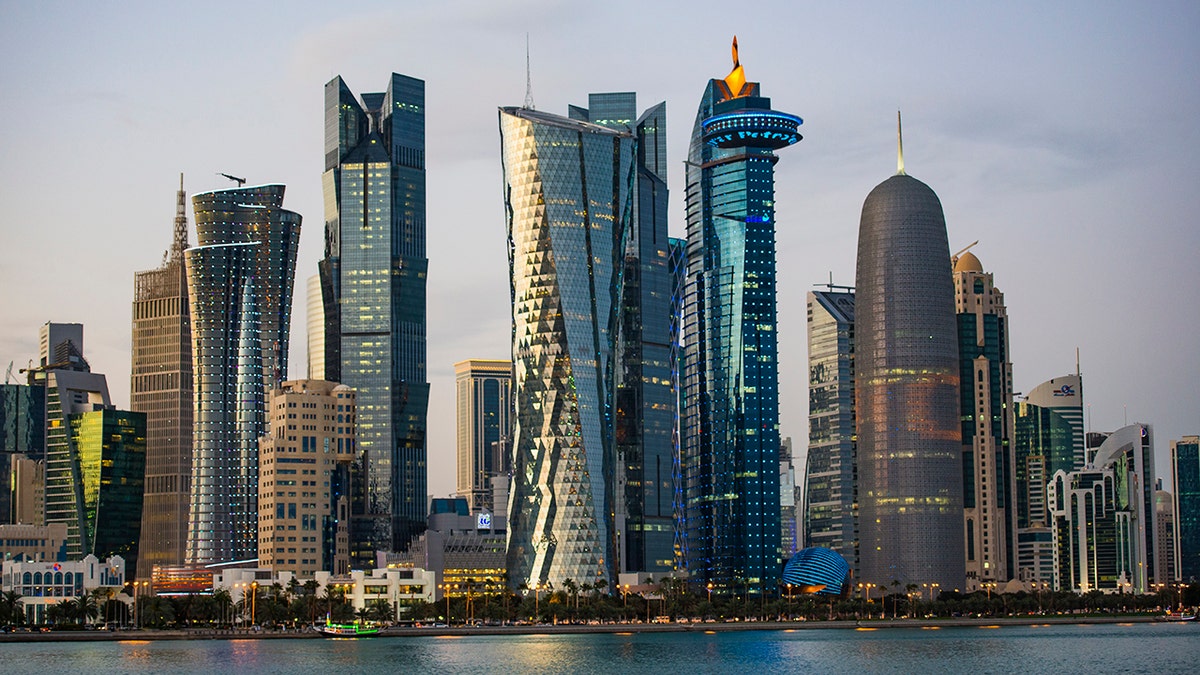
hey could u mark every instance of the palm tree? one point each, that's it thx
(11, 611)
(224, 604)
(573, 589)
(85, 608)
(381, 610)
(910, 589)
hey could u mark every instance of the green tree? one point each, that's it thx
(12, 610)
(85, 608)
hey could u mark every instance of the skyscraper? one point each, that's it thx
(730, 379)
(645, 403)
(677, 260)
(1165, 556)
(1185, 473)
(239, 282)
(907, 391)
(986, 401)
(161, 387)
(1063, 395)
(484, 405)
(830, 506)
(568, 197)
(373, 292)
(22, 438)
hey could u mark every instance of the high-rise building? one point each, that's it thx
(314, 319)
(730, 381)
(677, 260)
(373, 291)
(1104, 516)
(109, 465)
(1164, 558)
(22, 438)
(60, 345)
(239, 282)
(830, 507)
(304, 477)
(484, 392)
(986, 397)
(568, 197)
(910, 496)
(1185, 474)
(1047, 437)
(161, 387)
(790, 527)
(645, 402)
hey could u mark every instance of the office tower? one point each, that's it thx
(910, 495)
(1104, 516)
(22, 438)
(986, 401)
(568, 202)
(60, 345)
(484, 392)
(239, 282)
(830, 508)
(730, 376)
(1185, 474)
(645, 403)
(28, 490)
(108, 457)
(303, 480)
(1164, 556)
(161, 387)
(373, 292)
(1047, 437)
(791, 538)
(677, 260)
(314, 318)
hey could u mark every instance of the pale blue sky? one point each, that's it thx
(1064, 136)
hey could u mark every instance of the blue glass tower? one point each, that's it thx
(373, 292)
(730, 368)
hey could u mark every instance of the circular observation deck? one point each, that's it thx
(752, 128)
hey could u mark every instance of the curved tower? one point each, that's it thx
(730, 381)
(907, 391)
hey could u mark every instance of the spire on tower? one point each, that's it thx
(180, 241)
(528, 78)
(899, 146)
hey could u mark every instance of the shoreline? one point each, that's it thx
(146, 635)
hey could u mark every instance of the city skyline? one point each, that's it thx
(1065, 158)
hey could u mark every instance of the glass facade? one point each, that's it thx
(373, 290)
(820, 571)
(907, 391)
(1064, 396)
(22, 435)
(110, 452)
(68, 393)
(730, 414)
(985, 376)
(568, 194)
(1185, 468)
(229, 409)
(161, 387)
(830, 501)
(484, 392)
(677, 252)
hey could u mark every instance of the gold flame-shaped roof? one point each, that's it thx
(736, 79)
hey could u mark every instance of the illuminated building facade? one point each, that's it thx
(819, 571)
(830, 506)
(907, 390)
(730, 378)
(373, 292)
(1104, 517)
(239, 282)
(1185, 474)
(568, 197)
(1165, 556)
(645, 403)
(677, 256)
(22, 439)
(161, 387)
(484, 392)
(986, 403)
(304, 479)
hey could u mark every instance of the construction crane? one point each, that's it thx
(954, 258)
(239, 181)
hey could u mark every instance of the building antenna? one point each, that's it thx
(899, 146)
(528, 78)
(181, 232)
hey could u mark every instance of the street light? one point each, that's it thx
(254, 603)
(710, 592)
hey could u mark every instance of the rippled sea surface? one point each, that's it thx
(1095, 649)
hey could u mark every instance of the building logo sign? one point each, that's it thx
(1065, 390)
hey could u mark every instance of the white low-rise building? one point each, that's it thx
(398, 586)
(42, 584)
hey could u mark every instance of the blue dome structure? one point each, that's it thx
(819, 571)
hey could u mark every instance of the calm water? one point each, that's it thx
(1140, 648)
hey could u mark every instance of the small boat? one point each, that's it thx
(1179, 616)
(347, 630)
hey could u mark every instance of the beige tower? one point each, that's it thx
(987, 421)
(161, 386)
(304, 478)
(484, 405)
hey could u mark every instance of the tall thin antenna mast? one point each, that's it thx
(528, 77)
(180, 241)
(899, 146)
